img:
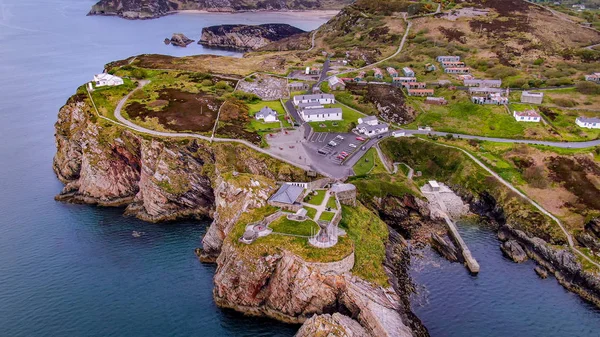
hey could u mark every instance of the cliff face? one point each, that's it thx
(246, 37)
(157, 180)
(149, 9)
(284, 287)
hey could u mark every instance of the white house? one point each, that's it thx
(532, 97)
(590, 123)
(496, 99)
(487, 91)
(371, 130)
(321, 114)
(595, 77)
(335, 83)
(106, 79)
(408, 72)
(371, 120)
(447, 58)
(461, 70)
(482, 83)
(316, 98)
(527, 116)
(267, 114)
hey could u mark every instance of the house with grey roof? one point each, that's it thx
(267, 114)
(588, 122)
(315, 98)
(310, 105)
(372, 130)
(321, 114)
(288, 197)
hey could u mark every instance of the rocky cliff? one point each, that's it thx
(156, 179)
(149, 9)
(246, 37)
(284, 287)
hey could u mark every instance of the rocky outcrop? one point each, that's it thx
(445, 247)
(514, 251)
(234, 195)
(283, 286)
(336, 325)
(246, 37)
(560, 262)
(541, 271)
(157, 179)
(150, 9)
(180, 40)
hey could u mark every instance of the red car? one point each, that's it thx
(360, 139)
(344, 153)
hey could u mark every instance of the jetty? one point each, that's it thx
(445, 202)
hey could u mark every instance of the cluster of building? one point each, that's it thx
(370, 126)
(312, 108)
(453, 65)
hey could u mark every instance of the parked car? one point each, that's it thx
(360, 139)
(332, 143)
(352, 145)
(344, 152)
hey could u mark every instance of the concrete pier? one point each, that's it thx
(444, 202)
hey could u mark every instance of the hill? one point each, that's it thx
(149, 9)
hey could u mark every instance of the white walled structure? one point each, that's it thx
(321, 114)
(527, 116)
(589, 123)
(104, 79)
(532, 97)
(317, 98)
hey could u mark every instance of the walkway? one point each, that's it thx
(130, 125)
(411, 172)
(524, 196)
(320, 208)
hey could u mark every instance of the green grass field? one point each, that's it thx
(349, 120)
(369, 163)
(310, 212)
(315, 199)
(305, 228)
(331, 203)
(327, 216)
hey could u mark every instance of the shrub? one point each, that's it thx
(588, 88)
(222, 85)
(564, 102)
(538, 62)
(206, 83)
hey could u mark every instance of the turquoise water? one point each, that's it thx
(505, 299)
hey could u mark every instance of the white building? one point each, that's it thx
(316, 98)
(595, 77)
(527, 116)
(321, 114)
(335, 83)
(408, 72)
(106, 79)
(482, 83)
(371, 130)
(495, 99)
(371, 120)
(487, 91)
(532, 97)
(447, 58)
(267, 114)
(590, 123)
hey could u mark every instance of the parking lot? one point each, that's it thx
(335, 147)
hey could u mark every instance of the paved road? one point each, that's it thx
(564, 145)
(312, 40)
(524, 196)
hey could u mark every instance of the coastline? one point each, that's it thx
(297, 13)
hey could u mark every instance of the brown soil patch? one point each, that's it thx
(158, 103)
(389, 100)
(453, 34)
(183, 111)
(233, 121)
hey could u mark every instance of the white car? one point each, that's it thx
(351, 145)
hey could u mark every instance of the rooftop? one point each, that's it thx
(369, 127)
(315, 96)
(266, 111)
(339, 187)
(529, 93)
(287, 194)
(319, 111)
(589, 119)
(527, 113)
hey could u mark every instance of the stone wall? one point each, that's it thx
(337, 267)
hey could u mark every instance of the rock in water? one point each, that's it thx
(167, 41)
(246, 37)
(514, 250)
(541, 271)
(331, 325)
(444, 247)
(180, 40)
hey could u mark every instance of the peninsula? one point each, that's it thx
(319, 165)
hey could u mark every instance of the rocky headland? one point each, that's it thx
(160, 179)
(246, 37)
(141, 9)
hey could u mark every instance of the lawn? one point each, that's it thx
(327, 216)
(310, 212)
(304, 228)
(315, 199)
(349, 121)
(369, 163)
(331, 203)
